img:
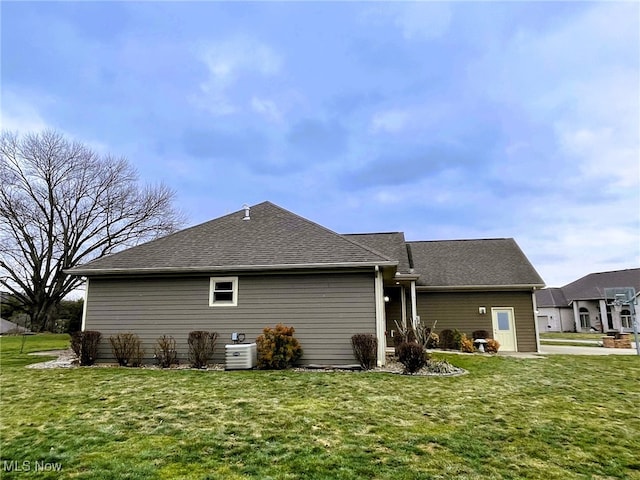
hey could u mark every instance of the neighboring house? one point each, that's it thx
(7, 326)
(581, 306)
(265, 265)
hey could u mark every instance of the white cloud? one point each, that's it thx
(391, 121)
(567, 250)
(227, 59)
(603, 155)
(415, 20)
(267, 108)
(228, 62)
(581, 80)
(387, 197)
(19, 114)
(424, 20)
(586, 65)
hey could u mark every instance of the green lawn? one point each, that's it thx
(556, 418)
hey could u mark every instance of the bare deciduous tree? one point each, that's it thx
(62, 204)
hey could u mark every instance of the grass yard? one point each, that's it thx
(556, 418)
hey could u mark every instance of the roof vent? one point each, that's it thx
(247, 211)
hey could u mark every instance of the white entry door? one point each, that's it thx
(504, 328)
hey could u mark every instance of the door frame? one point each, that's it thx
(512, 320)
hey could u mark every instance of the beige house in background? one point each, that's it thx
(581, 306)
(264, 265)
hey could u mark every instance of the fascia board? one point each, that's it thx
(88, 272)
(423, 288)
(407, 276)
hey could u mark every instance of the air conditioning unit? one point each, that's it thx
(241, 356)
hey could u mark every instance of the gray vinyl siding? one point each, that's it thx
(325, 309)
(460, 310)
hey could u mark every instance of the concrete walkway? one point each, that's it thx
(572, 350)
(566, 340)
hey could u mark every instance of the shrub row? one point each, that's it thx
(128, 351)
(448, 339)
(457, 340)
(277, 348)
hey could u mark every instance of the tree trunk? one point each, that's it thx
(41, 318)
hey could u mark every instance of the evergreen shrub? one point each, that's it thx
(278, 349)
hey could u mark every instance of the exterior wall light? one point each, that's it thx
(482, 310)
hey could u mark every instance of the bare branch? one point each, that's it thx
(62, 204)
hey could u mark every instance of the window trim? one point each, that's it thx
(626, 321)
(234, 291)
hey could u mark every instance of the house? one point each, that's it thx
(264, 265)
(7, 327)
(581, 306)
(465, 284)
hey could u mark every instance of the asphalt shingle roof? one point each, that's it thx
(392, 245)
(591, 287)
(484, 262)
(272, 237)
(277, 238)
(551, 297)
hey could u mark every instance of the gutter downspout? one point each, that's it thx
(535, 319)
(380, 316)
(84, 305)
(403, 303)
(414, 307)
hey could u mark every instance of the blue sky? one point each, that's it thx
(442, 120)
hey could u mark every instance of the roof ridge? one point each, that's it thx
(374, 233)
(594, 276)
(372, 250)
(333, 232)
(461, 240)
(612, 271)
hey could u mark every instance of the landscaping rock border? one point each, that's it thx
(434, 368)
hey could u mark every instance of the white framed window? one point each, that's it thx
(625, 318)
(223, 292)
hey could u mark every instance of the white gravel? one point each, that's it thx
(68, 359)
